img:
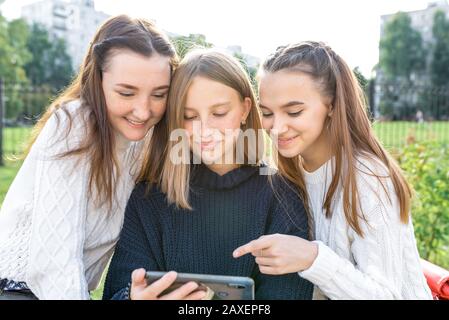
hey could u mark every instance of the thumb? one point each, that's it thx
(138, 278)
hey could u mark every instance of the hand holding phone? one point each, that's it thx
(140, 290)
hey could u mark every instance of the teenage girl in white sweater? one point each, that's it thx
(364, 246)
(62, 215)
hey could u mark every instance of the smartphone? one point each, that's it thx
(223, 287)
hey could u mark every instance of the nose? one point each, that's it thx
(279, 126)
(142, 109)
(201, 130)
(206, 130)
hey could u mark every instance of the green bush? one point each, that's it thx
(427, 168)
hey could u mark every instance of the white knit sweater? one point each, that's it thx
(384, 264)
(52, 236)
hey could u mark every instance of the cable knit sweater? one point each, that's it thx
(384, 264)
(51, 235)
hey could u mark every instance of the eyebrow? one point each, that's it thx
(128, 86)
(288, 104)
(215, 105)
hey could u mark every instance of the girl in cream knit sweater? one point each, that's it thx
(358, 198)
(63, 213)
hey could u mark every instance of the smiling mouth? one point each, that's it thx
(284, 141)
(136, 123)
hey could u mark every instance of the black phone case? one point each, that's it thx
(224, 287)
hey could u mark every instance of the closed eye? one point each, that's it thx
(160, 96)
(220, 114)
(123, 94)
(294, 114)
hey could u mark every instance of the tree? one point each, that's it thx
(402, 58)
(13, 52)
(360, 77)
(13, 56)
(61, 71)
(440, 61)
(401, 49)
(184, 44)
(51, 63)
(252, 72)
(432, 99)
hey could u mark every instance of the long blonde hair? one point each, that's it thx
(120, 32)
(350, 131)
(173, 179)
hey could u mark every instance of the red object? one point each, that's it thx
(437, 279)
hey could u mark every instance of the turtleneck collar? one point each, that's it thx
(204, 177)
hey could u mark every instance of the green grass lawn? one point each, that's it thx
(396, 134)
(7, 174)
(15, 139)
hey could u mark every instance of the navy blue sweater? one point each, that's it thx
(228, 211)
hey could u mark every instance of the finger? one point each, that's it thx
(197, 295)
(266, 261)
(262, 243)
(138, 278)
(181, 292)
(157, 287)
(269, 270)
(267, 252)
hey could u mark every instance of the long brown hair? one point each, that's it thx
(173, 179)
(120, 32)
(350, 131)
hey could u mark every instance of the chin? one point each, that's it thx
(289, 153)
(210, 159)
(135, 136)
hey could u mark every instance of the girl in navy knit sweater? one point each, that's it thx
(209, 194)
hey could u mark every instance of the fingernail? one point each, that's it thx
(235, 254)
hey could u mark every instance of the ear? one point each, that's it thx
(247, 105)
(331, 110)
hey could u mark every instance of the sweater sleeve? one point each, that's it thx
(386, 260)
(132, 251)
(55, 268)
(287, 216)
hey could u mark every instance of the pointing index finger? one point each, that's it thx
(250, 247)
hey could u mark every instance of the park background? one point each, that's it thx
(406, 85)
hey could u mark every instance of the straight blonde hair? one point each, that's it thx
(173, 179)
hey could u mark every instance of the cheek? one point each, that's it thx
(188, 126)
(267, 123)
(159, 108)
(312, 125)
(116, 106)
(233, 121)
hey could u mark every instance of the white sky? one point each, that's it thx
(351, 27)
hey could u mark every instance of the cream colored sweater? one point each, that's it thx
(52, 236)
(384, 264)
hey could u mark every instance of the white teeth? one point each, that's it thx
(135, 122)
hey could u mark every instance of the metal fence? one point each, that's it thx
(406, 112)
(21, 104)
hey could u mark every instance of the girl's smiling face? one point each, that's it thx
(294, 112)
(135, 89)
(216, 108)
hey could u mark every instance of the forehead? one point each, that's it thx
(132, 68)
(204, 92)
(282, 86)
